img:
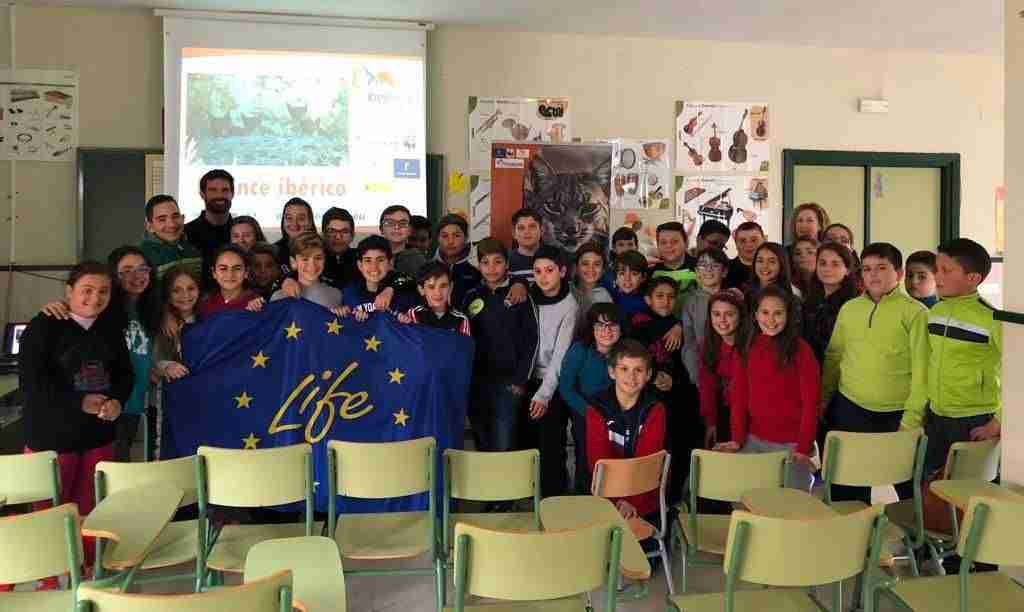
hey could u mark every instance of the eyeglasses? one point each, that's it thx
(337, 232)
(710, 267)
(138, 270)
(395, 224)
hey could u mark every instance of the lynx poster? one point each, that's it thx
(569, 185)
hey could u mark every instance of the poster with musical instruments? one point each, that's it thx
(722, 137)
(641, 174)
(479, 207)
(729, 199)
(514, 119)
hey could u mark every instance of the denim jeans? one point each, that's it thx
(495, 415)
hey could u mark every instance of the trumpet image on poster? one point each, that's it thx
(722, 137)
(516, 120)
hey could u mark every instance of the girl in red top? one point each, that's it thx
(230, 269)
(776, 389)
(727, 325)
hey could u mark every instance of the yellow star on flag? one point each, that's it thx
(243, 400)
(293, 330)
(400, 417)
(259, 360)
(333, 327)
(250, 442)
(396, 376)
(372, 343)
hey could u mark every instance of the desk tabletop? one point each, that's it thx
(786, 503)
(573, 511)
(960, 492)
(134, 518)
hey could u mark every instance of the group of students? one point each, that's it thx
(761, 352)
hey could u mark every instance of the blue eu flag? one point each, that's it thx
(296, 373)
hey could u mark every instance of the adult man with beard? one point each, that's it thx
(212, 228)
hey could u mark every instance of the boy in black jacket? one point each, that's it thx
(506, 341)
(670, 378)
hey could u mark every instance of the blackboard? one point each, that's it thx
(111, 199)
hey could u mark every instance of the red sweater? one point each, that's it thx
(614, 433)
(714, 382)
(214, 303)
(775, 403)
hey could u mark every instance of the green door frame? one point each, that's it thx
(947, 163)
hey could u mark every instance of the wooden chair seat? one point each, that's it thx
(570, 604)
(228, 554)
(386, 535)
(781, 600)
(988, 592)
(503, 521)
(44, 601)
(175, 546)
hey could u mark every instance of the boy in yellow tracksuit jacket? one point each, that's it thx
(965, 360)
(877, 359)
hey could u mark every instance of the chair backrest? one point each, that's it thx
(497, 476)
(30, 477)
(992, 527)
(315, 563)
(789, 553)
(271, 594)
(113, 476)
(727, 476)
(973, 460)
(38, 544)
(242, 478)
(379, 470)
(535, 565)
(627, 477)
(871, 459)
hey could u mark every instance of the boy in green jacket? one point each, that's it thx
(164, 243)
(964, 395)
(876, 361)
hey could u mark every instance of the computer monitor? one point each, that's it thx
(12, 338)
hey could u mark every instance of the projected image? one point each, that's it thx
(267, 120)
(333, 129)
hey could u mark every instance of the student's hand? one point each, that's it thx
(626, 509)
(988, 431)
(291, 288)
(538, 409)
(727, 447)
(361, 315)
(383, 301)
(92, 402)
(171, 326)
(804, 459)
(341, 311)
(674, 337)
(516, 294)
(663, 382)
(110, 410)
(404, 318)
(710, 437)
(56, 310)
(155, 375)
(174, 371)
(517, 390)
(256, 304)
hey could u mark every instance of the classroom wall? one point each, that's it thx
(619, 86)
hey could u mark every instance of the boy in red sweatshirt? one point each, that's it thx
(627, 420)
(776, 388)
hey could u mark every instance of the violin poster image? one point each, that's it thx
(722, 137)
(514, 119)
(729, 199)
(641, 174)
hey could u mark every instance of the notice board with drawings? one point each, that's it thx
(112, 190)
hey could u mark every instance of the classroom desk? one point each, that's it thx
(960, 492)
(786, 503)
(133, 518)
(574, 511)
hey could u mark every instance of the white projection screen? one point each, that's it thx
(335, 115)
